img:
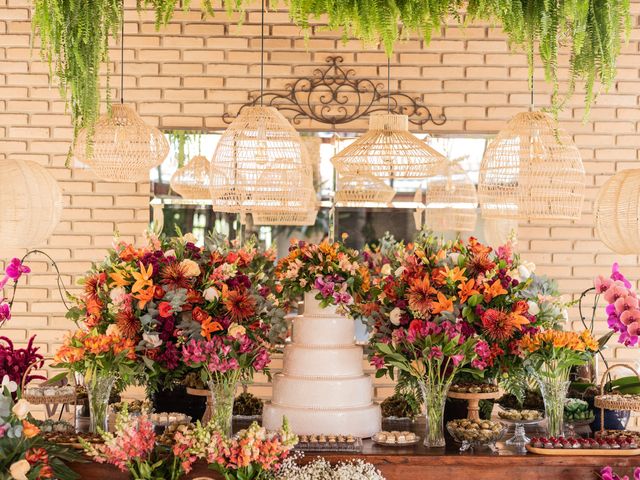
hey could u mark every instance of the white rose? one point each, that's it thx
(117, 295)
(386, 269)
(211, 294)
(153, 339)
(21, 408)
(190, 238)
(192, 269)
(236, 330)
(534, 309)
(524, 272)
(454, 257)
(399, 271)
(395, 315)
(19, 469)
(170, 253)
(114, 330)
(8, 384)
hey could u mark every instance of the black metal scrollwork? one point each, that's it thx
(333, 95)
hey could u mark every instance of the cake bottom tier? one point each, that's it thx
(361, 422)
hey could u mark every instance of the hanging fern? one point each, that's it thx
(75, 34)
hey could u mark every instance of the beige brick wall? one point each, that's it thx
(190, 73)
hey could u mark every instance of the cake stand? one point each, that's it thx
(201, 392)
(520, 440)
(473, 401)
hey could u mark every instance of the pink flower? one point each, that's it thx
(617, 276)
(5, 312)
(602, 284)
(629, 316)
(436, 352)
(634, 329)
(456, 359)
(377, 361)
(616, 291)
(626, 303)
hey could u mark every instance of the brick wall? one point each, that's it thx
(190, 73)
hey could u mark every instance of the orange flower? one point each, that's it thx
(590, 342)
(208, 327)
(240, 305)
(466, 290)
(143, 278)
(129, 253)
(144, 297)
(454, 275)
(443, 304)
(419, 296)
(93, 306)
(120, 278)
(29, 429)
(494, 290)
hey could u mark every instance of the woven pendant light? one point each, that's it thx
(532, 170)
(192, 180)
(497, 231)
(388, 151)
(301, 215)
(254, 161)
(450, 200)
(124, 148)
(31, 204)
(355, 190)
(617, 212)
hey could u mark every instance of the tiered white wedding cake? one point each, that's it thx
(323, 388)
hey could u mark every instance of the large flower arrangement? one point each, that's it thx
(24, 454)
(330, 268)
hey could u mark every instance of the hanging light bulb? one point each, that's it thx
(31, 204)
(532, 170)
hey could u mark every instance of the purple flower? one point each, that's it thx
(616, 275)
(326, 288)
(343, 298)
(607, 473)
(5, 312)
(15, 269)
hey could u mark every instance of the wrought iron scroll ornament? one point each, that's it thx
(332, 95)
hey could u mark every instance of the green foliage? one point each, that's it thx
(75, 34)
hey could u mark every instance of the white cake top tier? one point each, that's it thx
(322, 327)
(312, 306)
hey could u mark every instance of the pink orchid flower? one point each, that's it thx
(634, 329)
(602, 284)
(629, 316)
(616, 291)
(626, 303)
(617, 276)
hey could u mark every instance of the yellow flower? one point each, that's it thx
(418, 368)
(29, 429)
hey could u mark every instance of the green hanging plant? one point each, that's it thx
(75, 34)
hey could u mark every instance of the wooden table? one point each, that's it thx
(420, 463)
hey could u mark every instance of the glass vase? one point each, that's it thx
(434, 396)
(99, 388)
(554, 385)
(222, 398)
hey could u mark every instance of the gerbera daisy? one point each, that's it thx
(174, 275)
(240, 305)
(499, 325)
(419, 296)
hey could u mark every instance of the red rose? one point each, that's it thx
(158, 292)
(199, 315)
(165, 309)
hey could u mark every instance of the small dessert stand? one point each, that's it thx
(473, 401)
(51, 402)
(520, 440)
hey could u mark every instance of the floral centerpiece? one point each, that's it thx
(24, 454)
(226, 337)
(331, 270)
(133, 449)
(442, 308)
(549, 356)
(251, 454)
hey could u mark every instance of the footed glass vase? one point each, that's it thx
(554, 385)
(434, 396)
(99, 386)
(222, 398)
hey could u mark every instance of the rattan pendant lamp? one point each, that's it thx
(123, 148)
(31, 203)
(192, 180)
(532, 170)
(388, 151)
(260, 163)
(451, 201)
(617, 212)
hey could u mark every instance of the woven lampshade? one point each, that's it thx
(388, 151)
(497, 231)
(532, 170)
(617, 212)
(451, 200)
(255, 159)
(363, 188)
(31, 203)
(304, 215)
(123, 148)
(312, 145)
(192, 180)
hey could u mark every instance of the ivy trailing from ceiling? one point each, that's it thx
(75, 34)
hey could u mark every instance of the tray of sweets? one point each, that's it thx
(582, 447)
(329, 443)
